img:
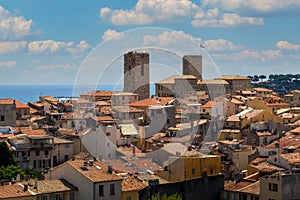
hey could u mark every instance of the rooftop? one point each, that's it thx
(20, 105)
(96, 173)
(234, 77)
(7, 101)
(151, 102)
(53, 186)
(13, 191)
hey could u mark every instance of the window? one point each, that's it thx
(37, 153)
(44, 198)
(142, 70)
(128, 198)
(46, 152)
(66, 157)
(273, 187)
(16, 154)
(34, 164)
(28, 153)
(193, 170)
(159, 111)
(101, 190)
(71, 196)
(23, 153)
(108, 134)
(112, 189)
(2, 118)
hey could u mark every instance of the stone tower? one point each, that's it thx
(192, 65)
(136, 74)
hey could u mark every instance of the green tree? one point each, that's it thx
(6, 157)
(262, 77)
(166, 197)
(11, 172)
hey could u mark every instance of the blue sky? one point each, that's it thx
(46, 42)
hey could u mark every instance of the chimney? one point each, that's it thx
(110, 169)
(25, 188)
(35, 184)
(18, 179)
(133, 150)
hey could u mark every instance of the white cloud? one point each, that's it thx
(47, 45)
(82, 47)
(8, 47)
(112, 35)
(257, 6)
(285, 45)
(55, 67)
(54, 46)
(221, 45)
(168, 38)
(13, 27)
(8, 64)
(149, 11)
(225, 20)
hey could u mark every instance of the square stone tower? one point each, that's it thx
(136, 74)
(192, 65)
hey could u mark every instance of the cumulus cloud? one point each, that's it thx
(47, 45)
(55, 46)
(217, 19)
(8, 47)
(8, 64)
(170, 38)
(256, 6)
(82, 47)
(285, 45)
(112, 35)
(14, 27)
(149, 11)
(55, 67)
(221, 45)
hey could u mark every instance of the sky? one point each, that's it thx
(67, 42)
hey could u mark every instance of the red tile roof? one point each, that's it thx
(20, 105)
(209, 104)
(151, 102)
(13, 191)
(7, 101)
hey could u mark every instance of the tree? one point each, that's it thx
(6, 157)
(11, 172)
(262, 77)
(255, 78)
(166, 197)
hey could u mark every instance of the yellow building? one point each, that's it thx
(229, 134)
(245, 118)
(189, 166)
(267, 105)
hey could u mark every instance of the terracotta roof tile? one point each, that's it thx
(13, 191)
(130, 183)
(7, 101)
(20, 105)
(94, 174)
(151, 102)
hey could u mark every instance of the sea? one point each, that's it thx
(31, 93)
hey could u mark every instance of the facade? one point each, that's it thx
(33, 152)
(237, 82)
(189, 167)
(22, 110)
(40, 151)
(123, 98)
(7, 112)
(94, 180)
(136, 74)
(280, 186)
